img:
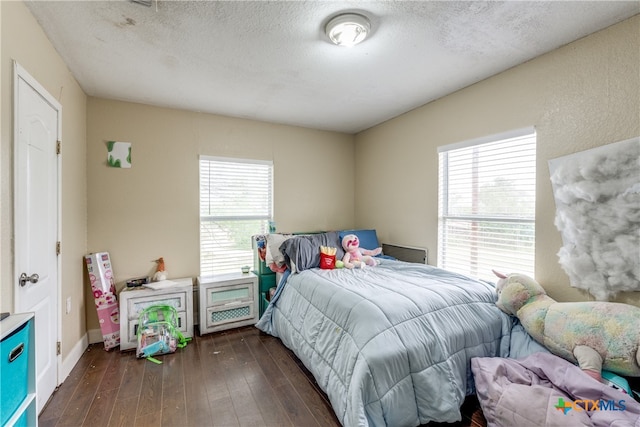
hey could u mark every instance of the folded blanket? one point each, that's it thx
(545, 390)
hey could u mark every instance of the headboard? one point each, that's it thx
(406, 253)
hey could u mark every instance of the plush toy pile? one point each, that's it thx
(596, 335)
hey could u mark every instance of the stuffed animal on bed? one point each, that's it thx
(596, 335)
(355, 256)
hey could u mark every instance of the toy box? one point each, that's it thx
(104, 295)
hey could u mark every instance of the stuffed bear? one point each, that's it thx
(355, 256)
(596, 335)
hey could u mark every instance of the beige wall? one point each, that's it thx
(578, 97)
(24, 41)
(151, 210)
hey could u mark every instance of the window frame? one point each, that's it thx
(446, 217)
(208, 268)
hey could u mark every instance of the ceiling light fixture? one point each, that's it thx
(348, 29)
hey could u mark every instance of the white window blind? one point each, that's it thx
(487, 205)
(236, 202)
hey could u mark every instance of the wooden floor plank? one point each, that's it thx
(132, 378)
(268, 367)
(115, 371)
(198, 408)
(151, 419)
(212, 374)
(314, 402)
(247, 410)
(50, 422)
(174, 411)
(224, 414)
(124, 411)
(61, 397)
(234, 365)
(263, 393)
(101, 408)
(294, 406)
(85, 392)
(150, 402)
(240, 348)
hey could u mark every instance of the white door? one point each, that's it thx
(37, 130)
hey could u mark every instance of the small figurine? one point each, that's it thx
(161, 273)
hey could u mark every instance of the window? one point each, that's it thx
(487, 195)
(236, 202)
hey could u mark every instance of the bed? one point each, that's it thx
(391, 344)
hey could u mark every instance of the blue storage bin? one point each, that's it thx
(14, 362)
(23, 421)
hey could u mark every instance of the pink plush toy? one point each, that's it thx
(355, 256)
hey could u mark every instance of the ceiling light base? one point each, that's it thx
(348, 29)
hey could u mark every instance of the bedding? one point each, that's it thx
(392, 344)
(545, 390)
(303, 252)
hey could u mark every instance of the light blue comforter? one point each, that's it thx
(392, 344)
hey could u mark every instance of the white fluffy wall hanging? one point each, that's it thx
(597, 194)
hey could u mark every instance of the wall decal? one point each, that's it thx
(119, 154)
(597, 194)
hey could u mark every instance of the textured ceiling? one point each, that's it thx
(271, 61)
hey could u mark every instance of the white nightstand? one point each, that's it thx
(227, 301)
(134, 300)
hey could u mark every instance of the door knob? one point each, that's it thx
(24, 278)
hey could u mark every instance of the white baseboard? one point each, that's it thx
(72, 358)
(95, 336)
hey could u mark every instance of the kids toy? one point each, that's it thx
(596, 335)
(355, 256)
(161, 273)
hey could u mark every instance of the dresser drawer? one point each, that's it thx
(230, 313)
(177, 301)
(182, 326)
(221, 295)
(14, 365)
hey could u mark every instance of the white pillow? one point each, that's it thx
(274, 256)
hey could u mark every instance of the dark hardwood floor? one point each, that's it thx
(232, 378)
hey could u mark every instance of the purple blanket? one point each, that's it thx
(546, 390)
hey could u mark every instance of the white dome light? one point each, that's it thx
(348, 29)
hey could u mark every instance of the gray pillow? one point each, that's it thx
(303, 252)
